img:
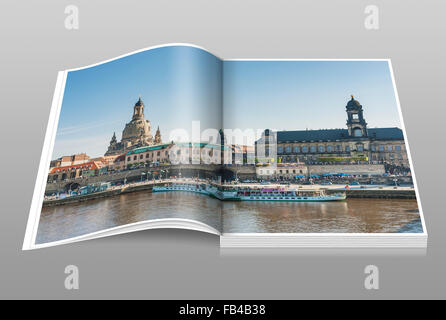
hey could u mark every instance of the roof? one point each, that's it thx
(91, 165)
(180, 144)
(386, 133)
(338, 134)
(148, 148)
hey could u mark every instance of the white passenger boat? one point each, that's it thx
(251, 194)
(183, 186)
(287, 195)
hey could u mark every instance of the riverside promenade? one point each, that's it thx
(356, 191)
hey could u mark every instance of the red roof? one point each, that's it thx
(91, 165)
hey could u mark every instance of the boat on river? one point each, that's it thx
(234, 193)
(287, 195)
(182, 186)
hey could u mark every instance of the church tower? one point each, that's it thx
(356, 125)
(138, 109)
(158, 136)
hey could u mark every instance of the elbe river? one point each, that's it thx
(352, 215)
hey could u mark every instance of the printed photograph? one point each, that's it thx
(332, 155)
(242, 146)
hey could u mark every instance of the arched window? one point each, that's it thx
(357, 132)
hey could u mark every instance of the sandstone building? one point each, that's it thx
(355, 143)
(137, 133)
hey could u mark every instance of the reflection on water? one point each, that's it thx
(71, 220)
(352, 215)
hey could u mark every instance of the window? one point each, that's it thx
(400, 156)
(279, 149)
(355, 116)
(329, 149)
(147, 155)
(304, 149)
(288, 149)
(373, 147)
(321, 148)
(141, 156)
(392, 156)
(360, 147)
(338, 147)
(347, 148)
(398, 148)
(381, 148)
(296, 149)
(389, 148)
(357, 132)
(313, 149)
(135, 157)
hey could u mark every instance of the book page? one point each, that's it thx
(323, 151)
(128, 134)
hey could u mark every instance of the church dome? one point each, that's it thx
(353, 104)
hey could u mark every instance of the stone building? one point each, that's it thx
(136, 133)
(74, 171)
(356, 143)
(174, 153)
(70, 160)
(282, 171)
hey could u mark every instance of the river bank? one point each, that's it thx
(371, 192)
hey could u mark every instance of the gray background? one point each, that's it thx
(183, 264)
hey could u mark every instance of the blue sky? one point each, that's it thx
(177, 85)
(295, 95)
(181, 84)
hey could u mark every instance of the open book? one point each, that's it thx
(263, 153)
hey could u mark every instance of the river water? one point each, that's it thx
(352, 215)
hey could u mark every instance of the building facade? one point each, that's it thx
(137, 133)
(174, 153)
(70, 160)
(282, 171)
(355, 144)
(75, 171)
